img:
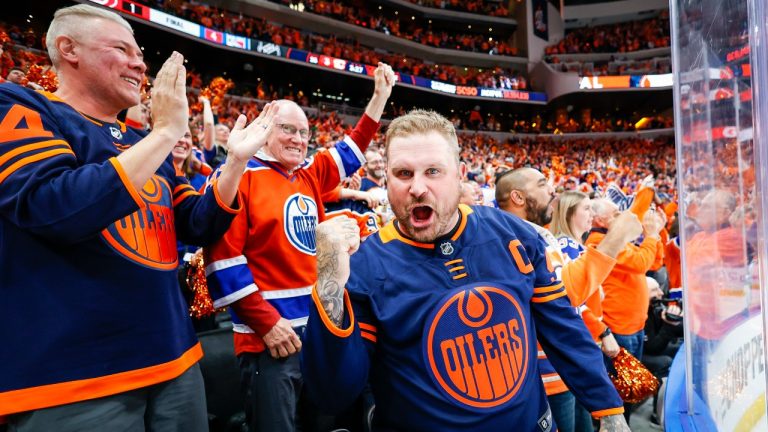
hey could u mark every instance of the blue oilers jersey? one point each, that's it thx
(570, 247)
(90, 300)
(446, 332)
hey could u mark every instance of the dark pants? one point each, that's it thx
(177, 405)
(569, 415)
(274, 401)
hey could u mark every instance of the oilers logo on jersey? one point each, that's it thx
(300, 220)
(115, 132)
(476, 346)
(147, 237)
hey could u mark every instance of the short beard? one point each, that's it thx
(440, 228)
(376, 177)
(537, 215)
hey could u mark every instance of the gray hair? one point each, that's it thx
(69, 21)
(602, 206)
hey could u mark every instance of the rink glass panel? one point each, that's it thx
(721, 216)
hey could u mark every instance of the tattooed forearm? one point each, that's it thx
(332, 297)
(330, 291)
(327, 261)
(614, 423)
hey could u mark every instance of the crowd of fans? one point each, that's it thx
(586, 164)
(21, 52)
(590, 165)
(534, 123)
(342, 47)
(614, 66)
(484, 7)
(615, 38)
(475, 119)
(357, 13)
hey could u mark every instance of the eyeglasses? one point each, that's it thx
(290, 129)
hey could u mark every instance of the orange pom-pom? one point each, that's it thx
(45, 78)
(145, 89)
(216, 91)
(633, 381)
(202, 304)
(4, 37)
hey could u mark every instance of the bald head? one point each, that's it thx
(605, 212)
(285, 104)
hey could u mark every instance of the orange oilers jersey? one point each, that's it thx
(269, 250)
(581, 276)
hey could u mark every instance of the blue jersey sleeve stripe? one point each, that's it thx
(339, 163)
(182, 188)
(11, 154)
(347, 157)
(226, 281)
(548, 298)
(292, 308)
(224, 264)
(235, 296)
(369, 336)
(348, 144)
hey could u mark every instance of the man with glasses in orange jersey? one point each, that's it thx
(265, 265)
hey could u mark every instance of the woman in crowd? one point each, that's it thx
(571, 219)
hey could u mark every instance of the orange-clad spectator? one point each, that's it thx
(625, 305)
